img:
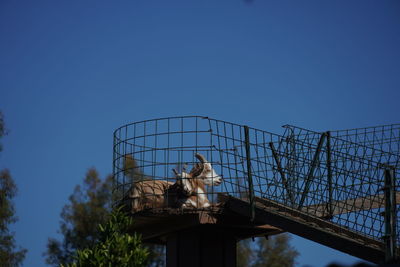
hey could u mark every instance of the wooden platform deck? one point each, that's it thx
(156, 225)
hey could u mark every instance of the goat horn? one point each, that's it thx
(197, 169)
(201, 158)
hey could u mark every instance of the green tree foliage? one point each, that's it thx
(274, 252)
(115, 246)
(2, 128)
(244, 253)
(9, 256)
(157, 256)
(132, 170)
(89, 206)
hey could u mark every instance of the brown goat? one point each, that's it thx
(187, 192)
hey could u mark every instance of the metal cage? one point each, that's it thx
(336, 176)
(158, 146)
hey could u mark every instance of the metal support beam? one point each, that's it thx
(390, 215)
(249, 174)
(329, 167)
(282, 173)
(311, 171)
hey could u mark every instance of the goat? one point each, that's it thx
(150, 194)
(193, 184)
(187, 192)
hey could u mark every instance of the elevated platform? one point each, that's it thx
(198, 238)
(231, 218)
(156, 225)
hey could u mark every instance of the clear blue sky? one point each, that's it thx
(73, 71)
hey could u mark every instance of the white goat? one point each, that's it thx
(193, 184)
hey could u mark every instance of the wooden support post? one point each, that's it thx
(201, 247)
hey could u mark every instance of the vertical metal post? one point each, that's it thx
(329, 167)
(390, 215)
(249, 174)
(116, 196)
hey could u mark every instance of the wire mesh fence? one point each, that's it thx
(352, 165)
(337, 175)
(379, 143)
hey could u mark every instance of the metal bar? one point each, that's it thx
(390, 215)
(282, 173)
(114, 183)
(329, 167)
(311, 171)
(249, 174)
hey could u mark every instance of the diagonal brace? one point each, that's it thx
(311, 171)
(282, 173)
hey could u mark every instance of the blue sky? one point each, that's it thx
(73, 71)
